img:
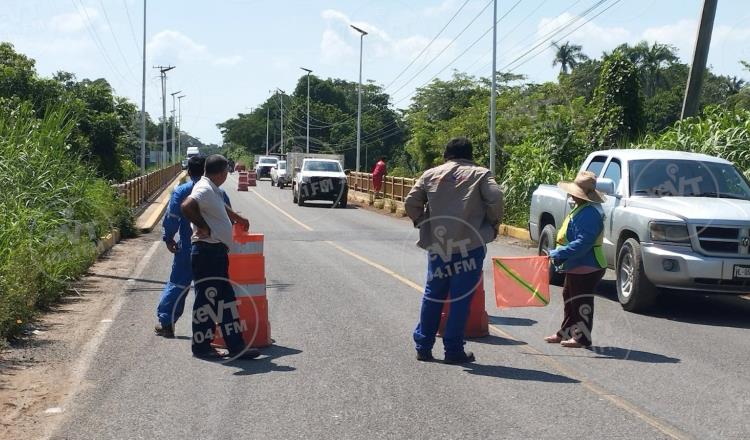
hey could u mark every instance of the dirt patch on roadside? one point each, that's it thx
(40, 372)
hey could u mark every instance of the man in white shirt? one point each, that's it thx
(212, 236)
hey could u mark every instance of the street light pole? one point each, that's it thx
(163, 72)
(493, 140)
(268, 116)
(359, 92)
(282, 119)
(143, 97)
(173, 123)
(308, 106)
(179, 126)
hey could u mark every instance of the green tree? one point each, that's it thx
(568, 56)
(618, 105)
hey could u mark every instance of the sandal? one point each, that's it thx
(572, 343)
(554, 339)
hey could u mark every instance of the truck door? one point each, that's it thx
(613, 172)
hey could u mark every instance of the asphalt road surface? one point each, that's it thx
(343, 297)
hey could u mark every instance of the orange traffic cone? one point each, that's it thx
(248, 276)
(477, 326)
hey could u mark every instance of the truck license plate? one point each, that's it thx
(741, 271)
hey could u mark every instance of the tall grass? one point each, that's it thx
(53, 210)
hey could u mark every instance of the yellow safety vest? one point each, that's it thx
(562, 236)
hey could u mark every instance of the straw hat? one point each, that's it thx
(584, 187)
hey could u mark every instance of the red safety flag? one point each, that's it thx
(521, 281)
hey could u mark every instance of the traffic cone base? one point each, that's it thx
(477, 326)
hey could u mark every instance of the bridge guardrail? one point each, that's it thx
(138, 190)
(395, 188)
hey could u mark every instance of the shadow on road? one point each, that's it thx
(508, 320)
(114, 277)
(496, 340)
(632, 355)
(513, 373)
(265, 363)
(324, 205)
(693, 307)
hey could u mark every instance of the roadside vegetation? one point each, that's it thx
(630, 97)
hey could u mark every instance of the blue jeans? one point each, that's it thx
(215, 303)
(172, 300)
(455, 278)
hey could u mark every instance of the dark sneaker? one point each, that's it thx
(462, 358)
(425, 356)
(211, 353)
(166, 331)
(250, 353)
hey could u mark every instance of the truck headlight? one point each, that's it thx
(669, 232)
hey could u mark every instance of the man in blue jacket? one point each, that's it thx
(172, 301)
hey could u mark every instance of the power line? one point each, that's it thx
(428, 44)
(132, 28)
(114, 37)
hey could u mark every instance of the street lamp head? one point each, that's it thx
(181, 96)
(179, 91)
(358, 30)
(306, 70)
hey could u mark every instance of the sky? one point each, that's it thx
(231, 54)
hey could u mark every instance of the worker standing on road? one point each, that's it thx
(457, 207)
(579, 254)
(172, 300)
(212, 236)
(378, 173)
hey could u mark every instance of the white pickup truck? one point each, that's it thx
(673, 220)
(318, 178)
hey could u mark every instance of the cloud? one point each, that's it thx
(379, 43)
(73, 21)
(172, 46)
(333, 48)
(682, 35)
(591, 36)
(442, 8)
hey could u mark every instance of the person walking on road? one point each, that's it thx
(457, 207)
(579, 254)
(172, 300)
(378, 173)
(212, 236)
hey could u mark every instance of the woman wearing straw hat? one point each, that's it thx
(579, 255)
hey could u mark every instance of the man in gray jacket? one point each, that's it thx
(457, 207)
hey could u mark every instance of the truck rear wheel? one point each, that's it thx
(634, 290)
(547, 243)
(294, 194)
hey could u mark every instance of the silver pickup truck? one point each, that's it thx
(673, 220)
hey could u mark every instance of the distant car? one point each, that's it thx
(279, 175)
(192, 151)
(264, 166)
(184, 164)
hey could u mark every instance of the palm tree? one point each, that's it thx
(568, 56)
(653, 59)
(735, 84)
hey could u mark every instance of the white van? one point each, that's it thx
(192, 151)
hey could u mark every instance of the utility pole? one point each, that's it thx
(143, 97)
(493, 140)
(359, 92)
(163, 72)
(308, 106)
(268, 115)
(174, 158)
(179, 125)
(282, 122)
(700, 56)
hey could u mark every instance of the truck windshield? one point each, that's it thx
(322, 166)
(268, 160)
(282, 165)
(687, 178)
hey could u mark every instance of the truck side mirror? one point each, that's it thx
(347, 172)
(607, 186)
(296, 169)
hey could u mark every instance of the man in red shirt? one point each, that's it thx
(377, 175)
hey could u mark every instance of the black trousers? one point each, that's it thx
(215, 305)
(578, 293)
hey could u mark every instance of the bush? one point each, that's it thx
(528, 166)
(54, 209)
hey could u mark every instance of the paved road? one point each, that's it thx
(343, 303)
